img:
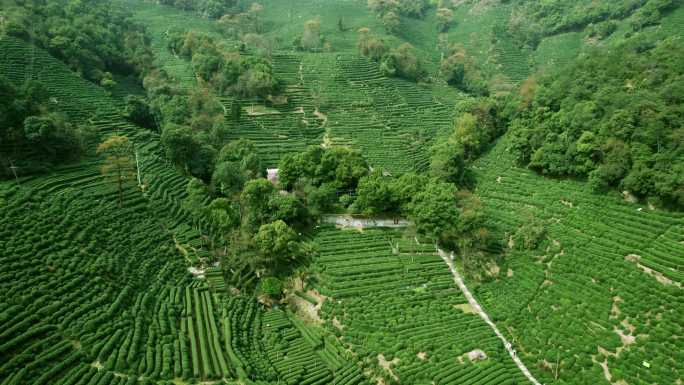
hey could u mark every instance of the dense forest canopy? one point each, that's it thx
(95, 38)
(614, 116)
(532, 20)
(223, 68)
(33, 137)
(213, 9)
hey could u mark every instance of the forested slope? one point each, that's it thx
(193, 267)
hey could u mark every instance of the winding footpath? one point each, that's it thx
(449, 260)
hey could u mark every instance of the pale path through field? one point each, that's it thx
(358, 222)
(449, 259)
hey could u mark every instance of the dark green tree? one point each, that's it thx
(278, 243)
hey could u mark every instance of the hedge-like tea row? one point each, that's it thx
(405, 306)
(568, 302)
(94, 289)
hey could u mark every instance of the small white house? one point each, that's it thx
(272, 175)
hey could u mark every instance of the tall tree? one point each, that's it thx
(434, 210)
(312, 34)
(118, 166)
(278, 243)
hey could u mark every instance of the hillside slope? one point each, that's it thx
(604, 286)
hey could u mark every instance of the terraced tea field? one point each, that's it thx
(606, 289)
(335, 98)
(111, 301)
(396, 306)
(93, 294)
(86, 103)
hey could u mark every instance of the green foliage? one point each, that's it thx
(532, 20)
(602, 29)
(411, 8)
(222, 67)
(34, 138)
(254, 199)
(212, 9)
(530, 235)
(287, 208)
(622, 131)
(391, 11)
(278, 244)
(460, 71)
(236, 164)
(243, 151)
(243, 23)
(224, 215)
(228, 178)
(479, 123)
(188, 152)
(434, 211)
(197, 193)
(391, 22)
(320, 199)
(402, 62)
(374, 195)
(271, 286)
(448, 162)
(338, 166)
(371, 46)
(137, 110)
(92, 37)
(651, 13)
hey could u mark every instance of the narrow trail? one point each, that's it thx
(449, 260)
(361, 222)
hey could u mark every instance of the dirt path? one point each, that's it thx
(361, 223)
(449, 259)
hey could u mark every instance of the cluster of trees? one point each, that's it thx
(478, 123)
(95, 38)
(651, 13)
(32, 137)
(236, 24)
(223, 68)
(371, 46)
(438, 209)
(445, 18)
(337, 179)
(391, 11)
(457, 68)
(191, 122)
(461, 71)
(319, 175)
(532, 20)
(311, 39)
(212, 9)
(400, 62)
(614, 116)
(601, 30)
(257, 226)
